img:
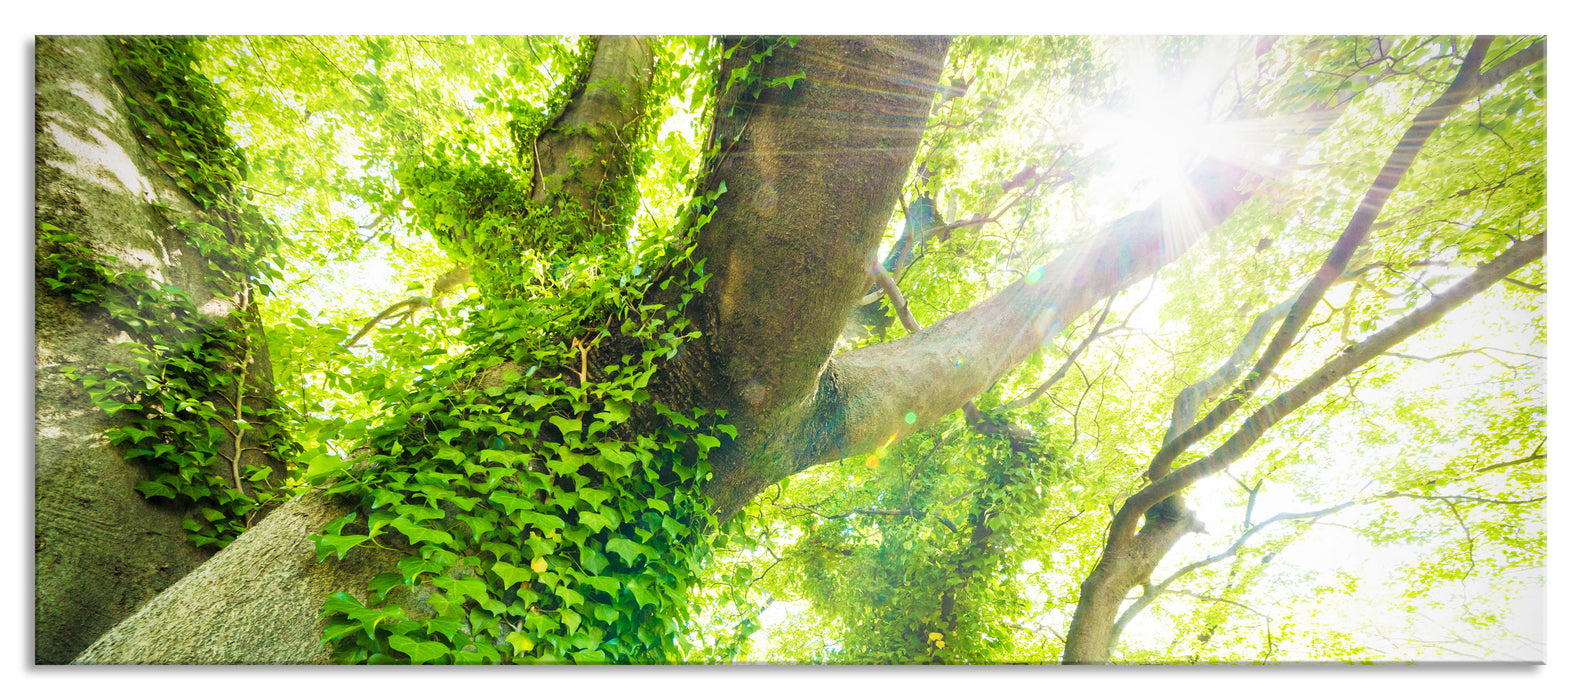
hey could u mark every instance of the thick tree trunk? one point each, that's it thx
(101, 549)
(812, 174)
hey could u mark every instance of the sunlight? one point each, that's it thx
(1164, 123)
(1155, 141)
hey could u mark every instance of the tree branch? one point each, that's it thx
(576, 152)
(1350, 358)
(866, 393)
(894, 292)
(809, 189)
(1462, 88)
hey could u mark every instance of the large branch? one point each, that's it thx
(259, 601)
(590, 137)
(1352, 357)
(867, 394)
(809, 188)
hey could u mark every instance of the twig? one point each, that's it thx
(1070, 360)
(894, 292)
(241, 386)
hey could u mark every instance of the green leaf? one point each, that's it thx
(323, 545)
(519, 642)
(511, 575)
(322, 465)
(606, 584)
(594, 521)
(626, 549)
(418, 534)
(382, 583)
(421, 652)
(568, 426)
(151, 489)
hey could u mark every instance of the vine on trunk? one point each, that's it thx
(193, 405)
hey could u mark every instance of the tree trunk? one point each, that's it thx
(101, 548)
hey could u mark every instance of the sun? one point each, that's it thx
(1163, 122)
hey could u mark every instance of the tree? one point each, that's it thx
(673, 393)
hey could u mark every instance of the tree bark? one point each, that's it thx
(256, 602)
(810, 186)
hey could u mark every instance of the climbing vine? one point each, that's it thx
(551, 505)
(191, 403)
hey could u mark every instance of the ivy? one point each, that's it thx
(189, 406)
(553, 513)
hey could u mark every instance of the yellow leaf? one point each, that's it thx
(935, 635)
(940, 644)
(539, 565)
(520, 641)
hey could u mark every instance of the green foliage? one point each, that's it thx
(551, 504)
(548, 508)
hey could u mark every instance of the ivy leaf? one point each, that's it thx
(322, 465)
(627, 549)
(594, 521)
(417, 534)
(615, 412)
(382, 583)
(571, 619)
(446, 627)
(511, 574)
(568, 426)
(421, 652)
(606, 584)
(343, 603)
(464, 657)
(323, 545)
(151, 489)
(519, 642)
(544, 523)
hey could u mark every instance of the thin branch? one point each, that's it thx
(1472, 499)
(1070, 359)
(1217, 599)
(1524, 285)
(408, 305)
(894, 292)
(1536, 455)
(1151, 593)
